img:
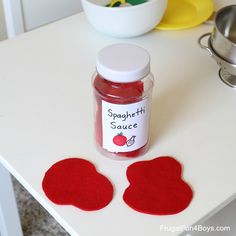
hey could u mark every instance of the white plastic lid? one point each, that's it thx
(123, 63)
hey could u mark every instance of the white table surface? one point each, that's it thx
(46, 114)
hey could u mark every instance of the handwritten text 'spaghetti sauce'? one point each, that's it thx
(122, 87)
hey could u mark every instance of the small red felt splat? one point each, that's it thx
(156, 187)
(75, 181)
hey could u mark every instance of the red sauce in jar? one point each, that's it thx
(116, 93)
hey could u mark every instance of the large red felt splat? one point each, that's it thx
(75, 181)
(156, 187)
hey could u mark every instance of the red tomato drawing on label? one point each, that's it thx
(119, 139)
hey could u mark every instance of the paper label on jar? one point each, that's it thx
(125, 127)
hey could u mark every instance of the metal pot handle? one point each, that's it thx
(202, 45)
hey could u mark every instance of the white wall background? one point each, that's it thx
(25, 15)
(3, 33)
(40, 12)
(221, 3)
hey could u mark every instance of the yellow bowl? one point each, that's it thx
(183, 14)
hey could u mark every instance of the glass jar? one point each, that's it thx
(122, 88)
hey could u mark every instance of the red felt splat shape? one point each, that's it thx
(156, 187)
(75, 181)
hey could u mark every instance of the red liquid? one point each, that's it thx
(117, 93)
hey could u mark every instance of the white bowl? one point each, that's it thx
(128, 21)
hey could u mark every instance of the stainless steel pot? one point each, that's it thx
(223, 37)
(225, 65)
(227, 70)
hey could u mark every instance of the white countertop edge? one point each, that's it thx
(39, 198)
